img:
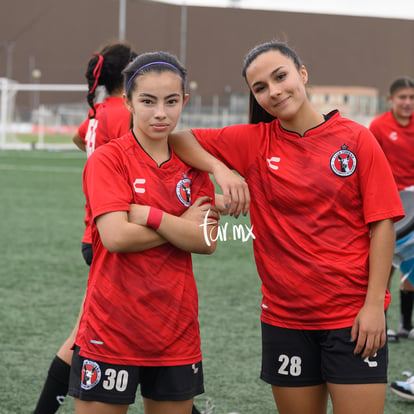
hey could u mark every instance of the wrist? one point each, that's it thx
(154, 218)
(216, 166)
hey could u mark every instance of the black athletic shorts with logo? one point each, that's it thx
(298, 358)
(91, 380)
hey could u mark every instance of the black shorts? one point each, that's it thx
(92, 380)
(87, 253)
(299, 358)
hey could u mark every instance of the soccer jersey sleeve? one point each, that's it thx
(83, 129)
(237, 145)
(105, 186)
(202, 186)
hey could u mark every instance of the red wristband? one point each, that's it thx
(154, 218)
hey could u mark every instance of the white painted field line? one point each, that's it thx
(36, 168)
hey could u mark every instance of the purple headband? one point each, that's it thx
(129, 83)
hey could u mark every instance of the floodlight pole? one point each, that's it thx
(183, 34)
(10, 49)
(3, 115)
(122, 19)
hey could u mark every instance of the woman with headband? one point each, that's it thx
(140, 319)
(106, 120)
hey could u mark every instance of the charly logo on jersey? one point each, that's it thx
(343, 162)
(393, 136)
(183, 190)
(91, 374)
(139, 185)
(273, 163)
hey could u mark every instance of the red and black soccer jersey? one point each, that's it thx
(312, 200)
(397, 142)
(112, 120)
(140, 308)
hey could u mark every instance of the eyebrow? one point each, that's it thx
(148, 95)
(271, 74)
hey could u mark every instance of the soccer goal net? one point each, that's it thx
(27, 123)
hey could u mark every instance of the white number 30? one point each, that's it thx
(117, 380)
(290, 366)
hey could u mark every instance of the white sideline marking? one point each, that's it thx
(35, 168)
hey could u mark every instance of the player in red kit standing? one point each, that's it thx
(106, 120)
(140, 319)
(394, 131)
(323, 203)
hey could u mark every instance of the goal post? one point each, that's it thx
(8, 92)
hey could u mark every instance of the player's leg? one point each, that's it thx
(94, 407)
(171, 390)
(100, 387)
(357, 398)
(392, 335)
(299, 400)
(291, 364)
(406, 309)
(65, 352)
(167, 407)
(56, 384)
(356, 385)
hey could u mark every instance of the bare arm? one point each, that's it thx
(121, 231)
(369, 325)
(235, 191)
(79, 142)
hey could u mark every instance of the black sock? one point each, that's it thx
(55, 387)
(195, 411)
(406, 306)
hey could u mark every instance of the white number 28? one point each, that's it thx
(290, 366)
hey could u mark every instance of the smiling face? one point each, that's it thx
(277, 84)
(402, 102)
(156, 104)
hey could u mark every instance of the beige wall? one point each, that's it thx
(58, 36)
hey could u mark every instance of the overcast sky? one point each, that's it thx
(397, 9)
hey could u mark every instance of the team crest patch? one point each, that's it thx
(91, 374)
(183, 191)
(343, 162)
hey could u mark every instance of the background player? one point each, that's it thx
(394, 131)
(106, 120)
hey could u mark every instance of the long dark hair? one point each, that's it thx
(105, 68)
(256, 112)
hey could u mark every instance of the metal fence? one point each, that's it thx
(41, 121)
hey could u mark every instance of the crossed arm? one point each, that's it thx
(235, 191)
(123, 231)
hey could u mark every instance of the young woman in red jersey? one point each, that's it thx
(106, 120)
(140, 319)
(323, 203)
(394, 131)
